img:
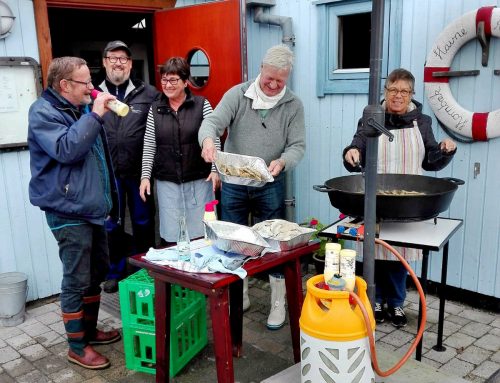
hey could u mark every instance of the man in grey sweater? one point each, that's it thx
(264, 119)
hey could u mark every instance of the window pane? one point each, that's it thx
(354, 41)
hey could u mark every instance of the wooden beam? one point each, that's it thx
(122, 5)
(43, 36)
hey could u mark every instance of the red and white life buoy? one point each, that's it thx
(479, 126)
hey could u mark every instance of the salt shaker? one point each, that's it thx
(183, 240)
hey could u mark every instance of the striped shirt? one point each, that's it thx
(149, 150)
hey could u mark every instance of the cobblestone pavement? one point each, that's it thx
(35, 351)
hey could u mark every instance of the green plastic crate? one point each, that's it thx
(188, 324)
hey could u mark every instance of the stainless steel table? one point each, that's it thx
(430, 235)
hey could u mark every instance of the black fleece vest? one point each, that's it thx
(178, 154)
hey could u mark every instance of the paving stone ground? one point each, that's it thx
(35, 351)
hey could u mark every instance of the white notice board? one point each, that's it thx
(20, 86)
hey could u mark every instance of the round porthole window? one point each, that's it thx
(200, 67)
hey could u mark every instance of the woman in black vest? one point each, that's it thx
(172, 155)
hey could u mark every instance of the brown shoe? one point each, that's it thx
(90, 359)
(105, 337)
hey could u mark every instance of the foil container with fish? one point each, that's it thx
(232, 237)
(284, 235)
(242, 170)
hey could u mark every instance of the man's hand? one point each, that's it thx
(353, 157)
(145, 188)
(276, 166)
(208, 150)
(100, 103)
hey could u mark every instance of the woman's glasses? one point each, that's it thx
(394, 91)
(172, 81)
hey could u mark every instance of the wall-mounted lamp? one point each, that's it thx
(6, 20)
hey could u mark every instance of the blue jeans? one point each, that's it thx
(142, 215)
(266, 202)
(83, 250)
(390, 281)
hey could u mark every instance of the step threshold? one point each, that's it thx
(406, 374)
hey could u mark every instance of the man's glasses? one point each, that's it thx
(172, 81)
(122, 59)
(88, 83)
(394, 91)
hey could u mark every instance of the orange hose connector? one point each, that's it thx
(371, 337)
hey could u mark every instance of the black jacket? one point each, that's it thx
(126, 134)
(434, 158)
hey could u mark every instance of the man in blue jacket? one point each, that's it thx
(72, 182)
(126, 140)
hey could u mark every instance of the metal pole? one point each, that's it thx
(376, 45)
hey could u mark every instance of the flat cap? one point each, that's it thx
(114, 45)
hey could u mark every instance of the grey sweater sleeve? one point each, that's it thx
(215, 123)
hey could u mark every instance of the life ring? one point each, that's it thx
(478, 126)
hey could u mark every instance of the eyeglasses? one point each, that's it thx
(122, 59)
(88, 83)
(172, 81)
(394, 91)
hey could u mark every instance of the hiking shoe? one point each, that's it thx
(398, 316)
(110, 286)
(379, 313)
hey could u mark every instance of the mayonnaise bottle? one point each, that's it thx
(348, 268)
(332, 260)
(120, 108)
(210, 214)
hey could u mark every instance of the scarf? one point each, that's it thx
(260, 99)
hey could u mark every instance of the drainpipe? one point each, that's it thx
(284, 22)
(288, 38)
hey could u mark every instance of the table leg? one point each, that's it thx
(219, 312)
(236, 315)
(442, 299)
(162, 323)
(423, 279)
(295, 299)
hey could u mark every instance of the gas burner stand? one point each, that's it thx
(429, 235)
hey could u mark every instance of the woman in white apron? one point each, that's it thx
(413, 150)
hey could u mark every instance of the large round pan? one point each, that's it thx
(434, 195)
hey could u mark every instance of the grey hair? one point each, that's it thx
(279, 56)
(62, 68)
(400, 74)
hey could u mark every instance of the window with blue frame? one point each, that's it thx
(344, 44)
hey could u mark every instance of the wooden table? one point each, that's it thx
(223, 290)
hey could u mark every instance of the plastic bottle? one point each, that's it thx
(210, 214)
(348, 267)
(116, 106)
(183, 248)
(332, 260)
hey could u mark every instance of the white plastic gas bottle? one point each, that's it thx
(116, 106)
(332, 260)
(348, 268)
(210, 214)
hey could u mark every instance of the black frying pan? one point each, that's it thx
(435, 195)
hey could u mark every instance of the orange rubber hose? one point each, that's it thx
(371, 337)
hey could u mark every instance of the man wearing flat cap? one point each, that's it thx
(126, 137)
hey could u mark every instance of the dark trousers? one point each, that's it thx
(83, 251)
(390, 281)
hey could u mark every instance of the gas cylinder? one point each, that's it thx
(334, 341)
